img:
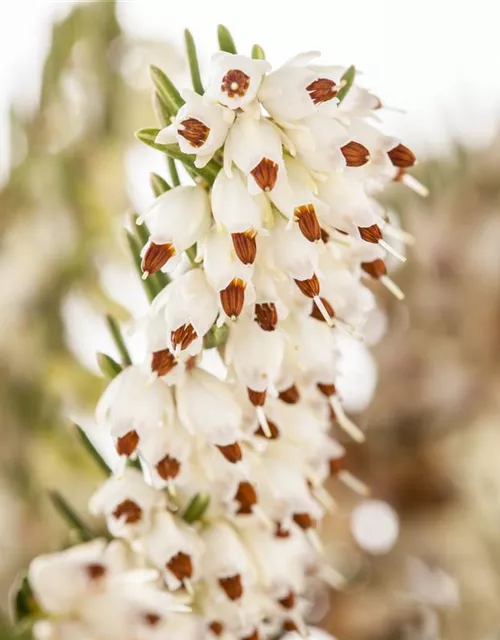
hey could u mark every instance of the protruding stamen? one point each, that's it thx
(323, 310)
(399, 234)
(168, 467)
(127, 444)
(273, 432)
(266, 316)
(290, 395)
(300, 625)
(355, 154)
(402, 157)
(376, 268)
(257, 398)
(415, 185)
(261, 416)
(194, 131)
(265, 174)
(308, 222)
(344, 422)
(162, 362)
(233, 297)
(247, 497)
(332, 577)
(245, 245)
(181, 566)
(314, 540)
(372, 234)
(354, 483)
(304, 520)
(392, 251)
(322, 90)
(309, 287)
(156, 257)
(391, 286)
(324, 498)
(281, 532)
(235, 83)
(232, 452)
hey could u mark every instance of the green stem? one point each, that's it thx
(72, 518)
(194, 67)
(226, 42)
(89, 447)
(116, 334)
(174, 176)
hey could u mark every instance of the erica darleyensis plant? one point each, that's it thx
(262, 259)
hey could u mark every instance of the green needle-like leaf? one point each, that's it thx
(109, 367)
(162, 110)
(116, 334)
(226, 42)
(196, 508)
(23, 603)
(91, 450)
(166, 90)
(258, 52)
(174, 176)
(346, 82)
(72, 518)
(193, 62)
(158, 184)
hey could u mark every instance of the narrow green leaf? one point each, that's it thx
(166, 90)
(208, 173)
(116, 334)
(158, 184)
(91, 450)
(162, 110)
(135, 249)
(109, 367)
(196, 508)
(216, 336)
(72, 518)
(226, 42)
(346, 82)
(174, 176)
(24, 604)
(193, 62)
(191, 252)
(258, 52)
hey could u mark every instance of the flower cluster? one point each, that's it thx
(215, 503)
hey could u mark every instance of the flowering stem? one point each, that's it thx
(72, 518)
(173, 172)
(89, 447)
(226, 42)
(166, 90)
(158, 184)
(116, 334)
(258, 52)
(346, 82)
(193, 62)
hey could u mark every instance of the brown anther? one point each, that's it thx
(308, 222)
(273, 429)
(265, 174)
(194, 131)
(232, 586)
(216, 627)
(233, 297)
(183, 336)
(162, 362)
(235, 83)
(95, 571)
(322, 90)
(290, 395)
(288, 602)
(181, 566)
(336, 465)
(168, 467)
(355, 154)
(370, 234)
(257, 398)
(245, 245)
(255, 635)
(152, 619)
(376, 268)
(402, 157)
(325, 236)
(247, 497)
(400, 175)
(309, 287)
(232, 452)
(289, 625)
(281, 532)
(129, 510)
(266, 315)
(316, 313)
(127, 444)
(156, 256)
(303, 520)
(327, 389)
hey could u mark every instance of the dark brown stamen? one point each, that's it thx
(245, 245)
(194, 131)
(265, 174)
(376, 268)
(281, 532)
(232, 586)
(152, 619)
(257, 398)
(127, 444)
(216, 627)
(232, 452)
(96, 571)
(308, 222)
(129, 510)
(255, 635)
(181, 566)
(322, 90)
(316, 313)
(273, 430)
(309, 287)
(289, 625)
(156, 256)
(402, 157)
(162, 362)
(370, 234)
(290, 395)
(168, 467)
(266, 315)
(327, 389)
(247, 497)
(233, 297)
(304, 520)
(288, 602)
(336, 465)
(183, 336)
(355, 154)
(235, 83)
(325, 236)
(400, 175)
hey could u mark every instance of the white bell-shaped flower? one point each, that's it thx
(199, 128)
(127, 503)
(235, 79)
(207, 407)
(348, 202)
(254, 145)
(178, 219)
(61, 630)
(166, 452)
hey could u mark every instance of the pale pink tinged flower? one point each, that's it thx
(199, 128)
(177, 219)
(235, 79)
